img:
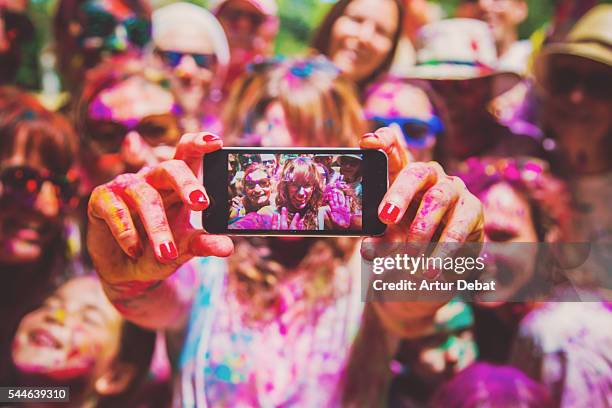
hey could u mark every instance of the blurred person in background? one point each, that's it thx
(15, 29)
(402, 106)
(257, 190)
(434, 355)
(523, 205)
(487, 385)
(251, 27)
(360, 37)
(38, 156)
(127, 117)
(270, 329)
(574, 80)
(89, 31)
(76, 338)
(567, 346)
(457, 60)
(503, 18)
(279, 102)
(190, 44)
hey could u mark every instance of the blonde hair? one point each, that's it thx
(321, 108)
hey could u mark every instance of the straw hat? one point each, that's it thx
(591, 38)
(459, 49)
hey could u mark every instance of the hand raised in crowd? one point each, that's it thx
(339, 211)
(139, 229)
(281, 221)
(236, 206)
(423, 200)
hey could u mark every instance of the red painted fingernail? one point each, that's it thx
(371, 135)
(197, 197)
(389, 213)
(168, 251)
(209, 137)
(135, 251)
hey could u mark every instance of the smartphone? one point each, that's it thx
(295, 191)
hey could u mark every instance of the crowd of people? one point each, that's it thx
(114, 289)
(295, 192)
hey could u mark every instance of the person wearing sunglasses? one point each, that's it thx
(15, 29)
(251, 27)
(257, 187)
(458, 65)
(127, 117)
(89, 31)
(395, 103)
(189, 43)
(574, 79)
(38, 153)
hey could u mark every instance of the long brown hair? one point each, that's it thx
(322, 38)
(302, 170)
(321, 108)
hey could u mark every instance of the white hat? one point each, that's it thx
(457, 49)
(167, 17)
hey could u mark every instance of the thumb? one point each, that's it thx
(388, 140)
(203, 244)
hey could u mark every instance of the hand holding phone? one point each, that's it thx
(139, 228)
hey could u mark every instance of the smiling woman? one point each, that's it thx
(37, 155)
(360, 37)
(77, 338)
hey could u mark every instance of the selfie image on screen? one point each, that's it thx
(295, 192)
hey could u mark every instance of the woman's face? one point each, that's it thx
(362, 38)
(299, 194)
(272, 129)
(509, 249)
(74, 334)
(131, 125)
(186, 50)
(30, 223)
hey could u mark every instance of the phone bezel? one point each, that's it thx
(374, 179)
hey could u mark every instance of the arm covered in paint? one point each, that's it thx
(421, 201)
(139, 236)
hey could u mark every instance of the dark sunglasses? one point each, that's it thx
(107, 136)
(415, 130)
(563, 80)
(17, 26)
(234, 14)
(25, 182)
(173, 58)
(100, 24)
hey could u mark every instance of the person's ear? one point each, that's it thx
(520, 9)
(116, 379)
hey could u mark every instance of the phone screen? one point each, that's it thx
(295, 192)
